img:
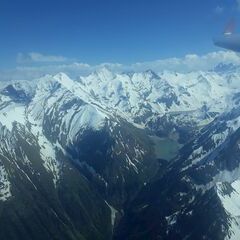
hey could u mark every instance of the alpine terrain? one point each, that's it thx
(122, 156)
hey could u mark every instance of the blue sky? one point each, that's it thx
(116, 31)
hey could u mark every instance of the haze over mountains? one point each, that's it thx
(136, 155)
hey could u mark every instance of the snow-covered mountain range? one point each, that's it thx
(78, 154)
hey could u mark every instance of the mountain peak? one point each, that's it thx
(225, 68)
(64, 79)
(152, 74)
(61, 76)
(104, 73)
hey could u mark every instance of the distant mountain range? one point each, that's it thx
(121, 156)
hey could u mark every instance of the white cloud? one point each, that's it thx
(238, 4)
(219, 9)
(188, 63)
(34, 57)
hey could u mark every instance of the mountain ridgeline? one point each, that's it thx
(130, 156)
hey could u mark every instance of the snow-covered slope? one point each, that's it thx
(199, 190)
(140, 98)
(141, 95)
(60, 146)
(230, 198)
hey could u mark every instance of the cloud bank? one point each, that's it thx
(54, 65)
(34, 57)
